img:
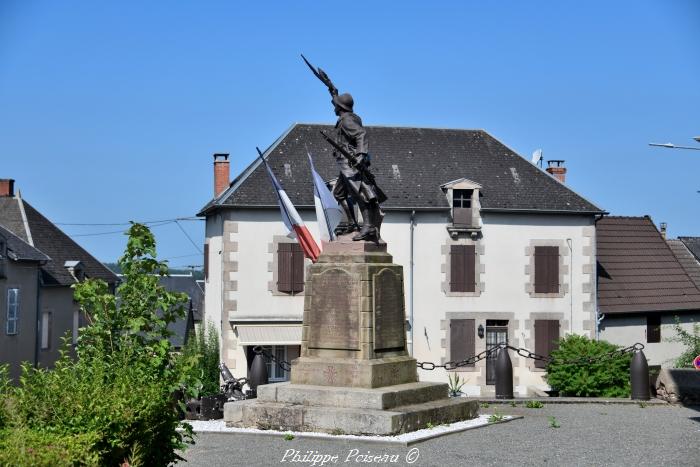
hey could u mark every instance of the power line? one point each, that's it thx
(129, 223)
(189, 238)
(113, 232)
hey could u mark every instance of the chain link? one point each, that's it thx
(267, 355)
(525, 353)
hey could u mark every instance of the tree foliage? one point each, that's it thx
(691, 342)
(204, 347)
(114, 402)
(605, 377)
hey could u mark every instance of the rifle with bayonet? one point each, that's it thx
(361, 167)
(321, 75)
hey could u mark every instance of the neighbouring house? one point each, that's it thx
(644, 285)
(40, 263)
(493, 248)
(184, 328)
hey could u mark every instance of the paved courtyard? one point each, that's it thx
(589, 435)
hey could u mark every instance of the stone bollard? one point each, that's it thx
(258, 373)
(504, 375)
(639, 376)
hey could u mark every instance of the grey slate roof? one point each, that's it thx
(688, 261)
(188, 285)
(19, 250)
(693, 244)
(50, 240)
(637, 271)
(424, 159)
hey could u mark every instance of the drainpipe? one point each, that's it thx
(410, 283)
(37, 334)
(571, 285)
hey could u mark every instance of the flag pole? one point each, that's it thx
(331, 234)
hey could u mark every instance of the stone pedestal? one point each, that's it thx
(354, 374)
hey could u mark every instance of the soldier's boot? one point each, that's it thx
(368, 230)
(351, 224)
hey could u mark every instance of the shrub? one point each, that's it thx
(534, 405)
(113, 404)
(204, 348)
(691, 341)
(605, 377)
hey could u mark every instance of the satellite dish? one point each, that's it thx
(537, 157)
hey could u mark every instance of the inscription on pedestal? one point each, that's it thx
(334, 315)
(389, 327)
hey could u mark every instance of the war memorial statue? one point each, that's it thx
(355, 180)
(354, 374)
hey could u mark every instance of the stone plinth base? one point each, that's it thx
(347, 372)
(387, 410)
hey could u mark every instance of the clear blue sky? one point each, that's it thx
(110, 111)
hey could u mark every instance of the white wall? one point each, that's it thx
(505, 240)
(628, 330)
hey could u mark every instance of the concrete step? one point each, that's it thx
(382, 398)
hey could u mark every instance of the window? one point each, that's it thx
(461, 339)
(546, 269)
(46, 323)
(462, 207)
(653, 329)
(12, 326)
(290, 268)
(546, 335)
(274, 370)
(462, 268)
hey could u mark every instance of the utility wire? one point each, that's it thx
(129, 223)
(112, 232)
(189, 238)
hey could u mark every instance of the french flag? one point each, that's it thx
(328, 212)
(292, 219)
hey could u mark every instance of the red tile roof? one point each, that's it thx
(637, 271)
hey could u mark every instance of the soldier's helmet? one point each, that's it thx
(344, 101)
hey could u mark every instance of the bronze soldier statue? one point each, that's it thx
(351, 152)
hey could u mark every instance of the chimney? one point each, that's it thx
(663, 230)
(7, 187)
(557, 170)
(222, 173)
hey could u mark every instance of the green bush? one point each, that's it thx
(605, 377)
(114, 403)
(204, 348)
(691, 342)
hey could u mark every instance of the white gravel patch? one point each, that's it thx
(219, 426)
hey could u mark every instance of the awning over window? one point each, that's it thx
(268, 334)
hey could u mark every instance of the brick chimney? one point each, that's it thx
(663, 230)
(557, 170)
(222, 173)
(7, 187)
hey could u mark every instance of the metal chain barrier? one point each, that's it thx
(267, 355)
(525, 353)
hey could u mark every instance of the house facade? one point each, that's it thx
(493, 249)
(40, 263)
(645, 285)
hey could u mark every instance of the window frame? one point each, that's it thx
(46, 328)
(17, 308)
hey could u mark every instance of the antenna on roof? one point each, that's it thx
(537, 158)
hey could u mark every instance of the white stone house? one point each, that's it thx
(493, 249)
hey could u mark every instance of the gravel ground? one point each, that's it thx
(589, 435)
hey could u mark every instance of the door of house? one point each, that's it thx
(496, 333)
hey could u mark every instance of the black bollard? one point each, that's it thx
(639, 376)
(258, 372)
(504, 375)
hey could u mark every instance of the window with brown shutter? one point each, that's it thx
(290, 268)
(206, 261)
(546, 336)
(462, 268)
(653, 329)
(546, 269)
(462, 337)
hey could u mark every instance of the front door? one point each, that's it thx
(496, 333)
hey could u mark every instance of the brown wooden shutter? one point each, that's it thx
(462, 339)
(462, 268)
(653, 329)
(297, 268)
(546, 335)
(206, 261)
(546, 269)
(285, 263)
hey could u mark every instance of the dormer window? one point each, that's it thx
(463, 196)
(75, 269)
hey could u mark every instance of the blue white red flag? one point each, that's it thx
(328, 212)
(291, 218)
